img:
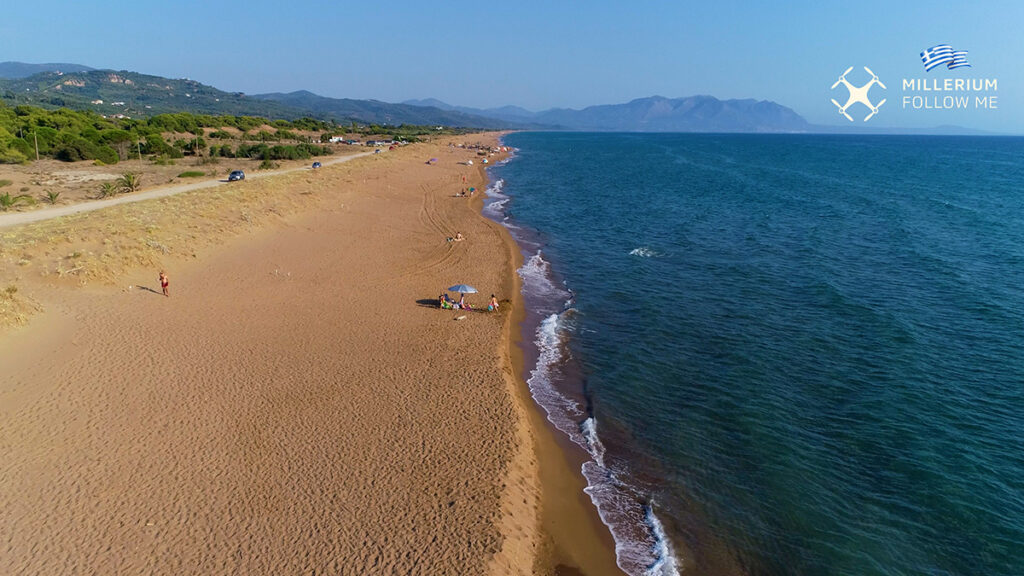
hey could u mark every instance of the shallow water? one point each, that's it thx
(795, 354)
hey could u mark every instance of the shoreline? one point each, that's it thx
(514, 535)
(575, 539)
(554, 382)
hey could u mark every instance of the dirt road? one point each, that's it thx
(17, 218)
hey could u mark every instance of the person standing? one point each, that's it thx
(164, 282)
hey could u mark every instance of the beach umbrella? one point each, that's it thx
(471, 189)
(462, 289)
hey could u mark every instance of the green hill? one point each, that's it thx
(135, 95)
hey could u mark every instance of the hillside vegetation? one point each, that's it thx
(70, 135)
(136, 95)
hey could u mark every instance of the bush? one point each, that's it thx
(288, 153)
(107, 189)
(11, 156)
(107, 155)
(268, 164)
(155, 144)
(5, 183)
(23, 147)
(7, 201)
(77, 149)
(191, 174)
(129, 182)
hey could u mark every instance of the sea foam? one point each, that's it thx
(641, 546)
(643, 252)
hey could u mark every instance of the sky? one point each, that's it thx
(542, 55)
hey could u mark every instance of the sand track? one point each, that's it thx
(14, 219)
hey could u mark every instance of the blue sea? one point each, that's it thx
(784, 354)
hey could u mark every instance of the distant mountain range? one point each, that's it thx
(377, 112)
(655, 114)
(23, 70)
(133, 94)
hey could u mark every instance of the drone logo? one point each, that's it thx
(858, 94)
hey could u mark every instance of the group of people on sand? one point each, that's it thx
(447, 303)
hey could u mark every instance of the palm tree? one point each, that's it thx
(6, 200)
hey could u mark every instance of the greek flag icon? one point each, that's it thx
(944, 54)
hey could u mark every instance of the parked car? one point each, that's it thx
(316, 164)
(236, 175)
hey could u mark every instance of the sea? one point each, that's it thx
(781, 354)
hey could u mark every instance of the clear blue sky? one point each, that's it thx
(541, 54)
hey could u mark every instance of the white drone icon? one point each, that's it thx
(858, 94)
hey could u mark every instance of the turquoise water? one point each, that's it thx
(786, 354)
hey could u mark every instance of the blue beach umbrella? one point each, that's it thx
(462, 289)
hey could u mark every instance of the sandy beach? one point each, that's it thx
(299, 404)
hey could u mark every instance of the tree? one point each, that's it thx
(119, 140)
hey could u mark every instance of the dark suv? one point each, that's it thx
(236, 175)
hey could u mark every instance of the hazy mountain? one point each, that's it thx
(23, 70)
(511, 114)
(691, 114)
(433, 103)
(377, 112)
(133, 94)
(653, 114)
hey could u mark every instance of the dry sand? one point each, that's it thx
(299, 405)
